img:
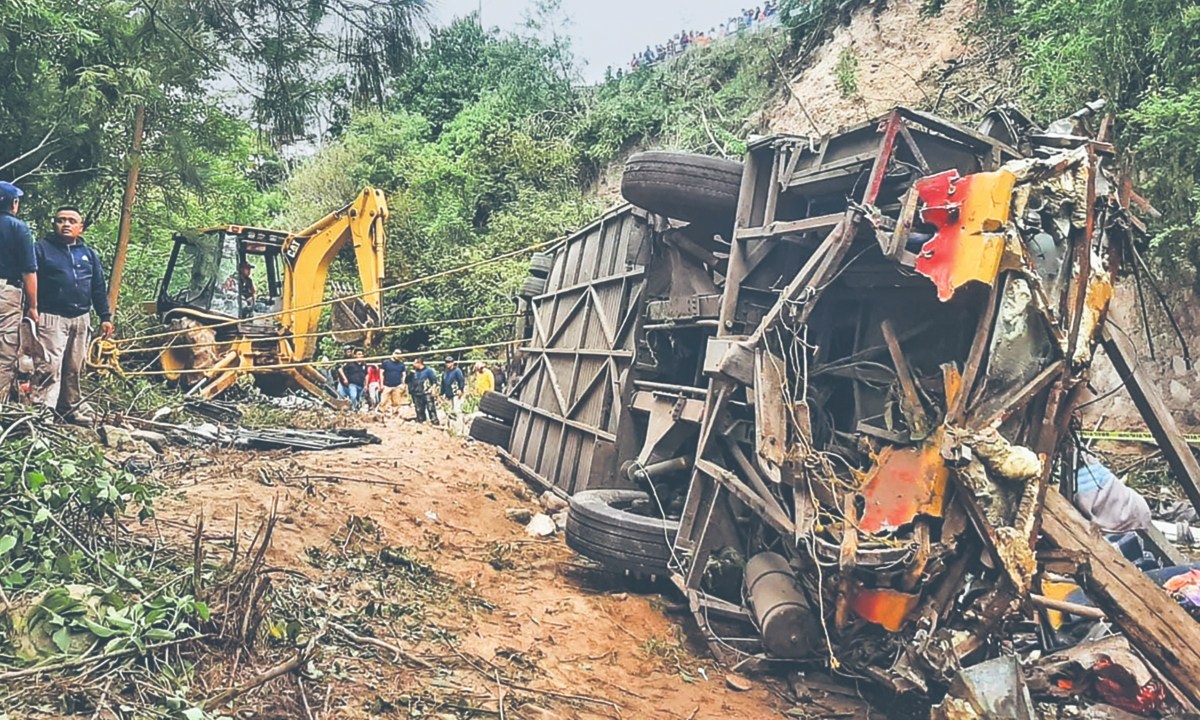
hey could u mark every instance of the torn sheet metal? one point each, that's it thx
(1095, 305)
(882, 606)
(970, 214)
(904, 483)
(992, 689)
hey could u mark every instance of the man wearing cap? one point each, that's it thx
(70, 285)
(453, 385)
(18, 272)
(393, 383)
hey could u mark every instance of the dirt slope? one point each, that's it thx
(444, 500)
(894, 53)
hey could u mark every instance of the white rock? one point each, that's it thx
(541, 525)
(552, 503)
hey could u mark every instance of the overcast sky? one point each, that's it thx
(604, 32)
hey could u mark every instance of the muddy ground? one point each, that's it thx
(408, 541)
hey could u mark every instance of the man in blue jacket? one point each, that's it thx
(18, 272)
(454, 383)
(70, 285)
(421, 383)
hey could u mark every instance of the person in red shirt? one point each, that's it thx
(374, 390)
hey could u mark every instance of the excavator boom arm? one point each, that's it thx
(309, 253)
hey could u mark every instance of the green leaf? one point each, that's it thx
(7, 543)
(193, 714)
(42, 516)
(62, 638)
(97, 629)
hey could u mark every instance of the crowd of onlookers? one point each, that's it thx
(682, 42)
(387, 386)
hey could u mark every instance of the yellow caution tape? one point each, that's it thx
(1119, 436)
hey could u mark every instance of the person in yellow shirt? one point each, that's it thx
(482, 380)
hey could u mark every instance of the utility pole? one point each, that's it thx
(123, 228)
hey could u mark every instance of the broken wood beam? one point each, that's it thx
(1166, 635)
(1154, 412)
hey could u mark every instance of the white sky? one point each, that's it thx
(604, 32)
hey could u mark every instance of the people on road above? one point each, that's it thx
(679, 44)
(18, 282)
(70, 285)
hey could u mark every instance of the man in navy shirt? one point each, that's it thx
(421, 382)
(454, 383)
(70, 285)
(353, 377)
(18, 271)
(393, 382)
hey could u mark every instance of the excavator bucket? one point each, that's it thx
(352, 320)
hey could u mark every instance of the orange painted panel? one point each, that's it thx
(969, 213)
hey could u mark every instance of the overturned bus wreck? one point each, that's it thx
(830, 393)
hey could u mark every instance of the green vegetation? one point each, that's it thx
(487, 145)
(846, 73)
(1143, 58)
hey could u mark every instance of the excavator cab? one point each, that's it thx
(205, 280)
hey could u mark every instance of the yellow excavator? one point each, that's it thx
(242, 300)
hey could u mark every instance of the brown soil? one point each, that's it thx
(902, 58)
(560, 626)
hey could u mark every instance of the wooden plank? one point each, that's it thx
(770, 414)
(1001, 407)
(887, 146)
(975, 358)
(1162, 631)
(1163, 547)
(1155, 413)
(910, 400)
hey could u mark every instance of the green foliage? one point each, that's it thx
(486, 146)
(56, 493)
(1143, 58)
(932, 8)
(846, 73)
(703, 101)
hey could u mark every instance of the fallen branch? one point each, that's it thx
(398, 652)
(288, 666)
(535, 691)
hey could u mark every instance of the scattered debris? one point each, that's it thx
(521, 516)
(259, 438)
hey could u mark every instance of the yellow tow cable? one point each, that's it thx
(319, 333)
(311, 363)
(324, 303)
